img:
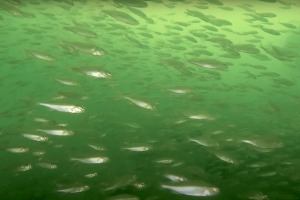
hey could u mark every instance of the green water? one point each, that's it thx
(149, 100)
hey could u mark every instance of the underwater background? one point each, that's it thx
(156, 99)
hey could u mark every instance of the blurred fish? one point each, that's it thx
(82, 31)
(121, 16)
(91, 71)
(74, 189)
(83, 47)
(56, 132)
(138, 148)
(41, 55)
(17, 150)
(140, 103)
(35, 137)
(47, 165)
(91, 160)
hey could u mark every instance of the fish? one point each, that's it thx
(225, 157)
(63, 108)
(41, 55)
(122, 17)
(74, 189)
(270, 31)
(284, 81)
(190, 188)
(179, 90)
(138, 12)
(132, 3)
(17, 150)
(264, 142)
(91, 71)
(175, 178)
(208, 63)
(197, 115)
(91, 175)
(56, 132)
(35, 137)
(47, 165)
(81, 31)
(140, 103)
(91, 160)
(83, 47)
(138, 148)
(23, 168)
(204, 141)
(67, 82)
(98, 148)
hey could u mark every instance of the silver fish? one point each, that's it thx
(91, 160)
(75, 189)
(35, 137)
(138, 149)
(17, 150)
(41, 55)
(64, 108)
(56, 132)
(140, 103)
(192, 189)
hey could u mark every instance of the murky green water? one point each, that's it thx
(166, 100)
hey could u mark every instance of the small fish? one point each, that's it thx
(226, 158)
(92, 175)
(17, 150)
(67, 82)
(174, 178)
(23, 168)
(138, 149)
(47, 165)
(98, 148)
(41, 55)
(83, 47)
(74, 189)
(35, 137)
(95, 72)
(64, 108)
(57, 132)
(91, 160)
(192, 189)
(164, 161)
(140, 103)
(82, 31)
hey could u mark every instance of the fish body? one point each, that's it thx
(56, 132)
(193, 190)
(140, 103)
(83, 47)
(74, 189)
(41, 55)
(64, 108)
(91, 160)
